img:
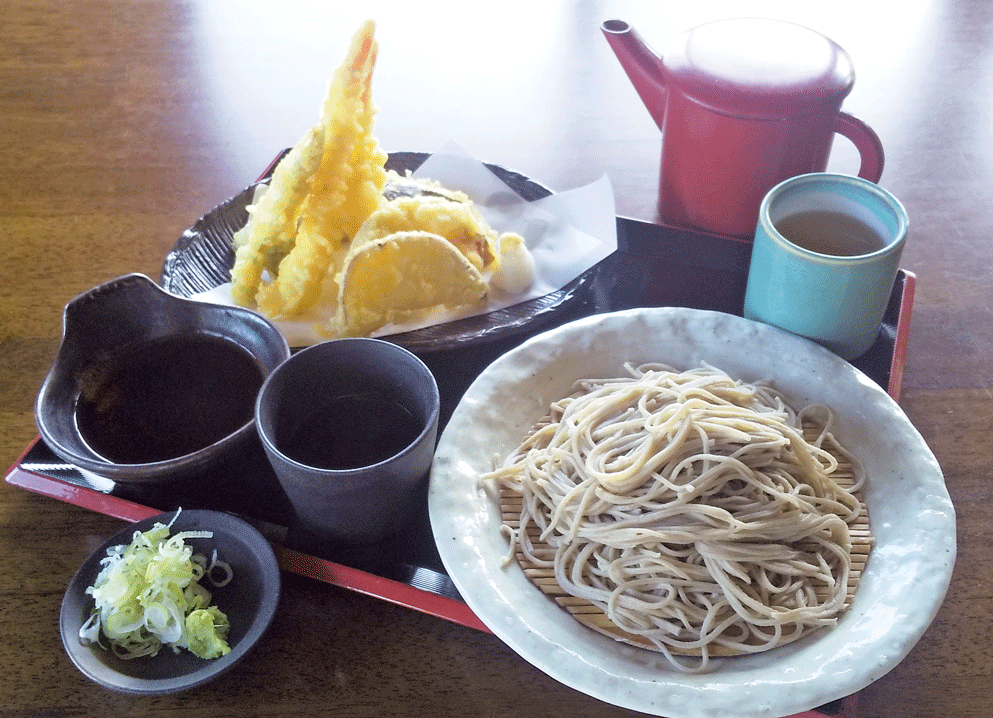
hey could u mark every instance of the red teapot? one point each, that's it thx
(742, 104)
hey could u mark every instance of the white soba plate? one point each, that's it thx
(909, 509)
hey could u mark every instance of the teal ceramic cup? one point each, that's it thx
(826, 252)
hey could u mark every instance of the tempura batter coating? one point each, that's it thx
(456, 221)
(271, 227)
(398, 277)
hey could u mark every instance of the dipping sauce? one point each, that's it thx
(828, 232)
(167, 397)
(350, 432)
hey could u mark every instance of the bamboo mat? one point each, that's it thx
(593, 617)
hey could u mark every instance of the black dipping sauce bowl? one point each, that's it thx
(149, 388)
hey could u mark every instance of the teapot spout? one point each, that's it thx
(642, 65)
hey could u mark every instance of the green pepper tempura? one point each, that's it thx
(148, 594)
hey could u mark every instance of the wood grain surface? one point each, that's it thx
(122, 121)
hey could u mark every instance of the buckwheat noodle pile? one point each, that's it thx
(688, 510)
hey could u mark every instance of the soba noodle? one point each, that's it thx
(689, 508)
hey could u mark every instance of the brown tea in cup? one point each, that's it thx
(827, 232)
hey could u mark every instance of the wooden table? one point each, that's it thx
(121, 122)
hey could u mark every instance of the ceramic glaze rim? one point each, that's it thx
(887, 215)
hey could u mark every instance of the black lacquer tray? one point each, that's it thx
(653, 266)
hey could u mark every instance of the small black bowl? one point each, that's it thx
(124, 313)
(249, 601)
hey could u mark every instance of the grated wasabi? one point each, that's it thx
(148, 595)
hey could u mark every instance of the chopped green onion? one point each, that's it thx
(148, 594)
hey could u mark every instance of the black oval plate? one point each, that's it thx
(203, 257)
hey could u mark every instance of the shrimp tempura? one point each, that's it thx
(320, 194)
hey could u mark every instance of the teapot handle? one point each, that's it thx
(866, 141)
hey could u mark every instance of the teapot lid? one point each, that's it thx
(759, 68)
